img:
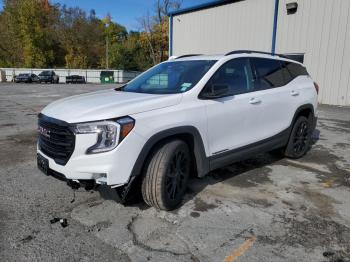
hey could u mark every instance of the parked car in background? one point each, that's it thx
(26, 78)
(48, 76)
(75, 79)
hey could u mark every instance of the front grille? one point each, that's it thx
(55, 139)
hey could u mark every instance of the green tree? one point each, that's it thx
(27, 36)
(35, 33)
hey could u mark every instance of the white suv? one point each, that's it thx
(188, 115)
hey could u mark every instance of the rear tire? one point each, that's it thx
(166, 175)
(300, 138)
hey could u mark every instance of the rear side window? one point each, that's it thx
(297, 70)
(268, 73)
(292, 70)
(286, 73)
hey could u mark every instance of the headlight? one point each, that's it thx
(110, 133)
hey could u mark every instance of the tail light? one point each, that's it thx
(316, 87)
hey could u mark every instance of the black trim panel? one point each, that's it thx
(60, 145)
(242, 153)
(202, 161)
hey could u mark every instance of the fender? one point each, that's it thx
(297, 112)
(202, 162)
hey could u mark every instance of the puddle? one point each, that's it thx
(200, 205)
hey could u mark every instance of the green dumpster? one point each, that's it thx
(107, 77)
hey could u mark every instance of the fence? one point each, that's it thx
(91, 75)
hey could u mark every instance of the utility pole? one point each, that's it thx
(107, 52)
(107, 22)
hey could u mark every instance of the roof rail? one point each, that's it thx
(182, 56)
(249, 52)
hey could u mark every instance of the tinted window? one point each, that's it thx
(268, 73)
(236, 74)
(296, 70)
(292, 70)
(45, 73)
(287, 76)
(170, 77)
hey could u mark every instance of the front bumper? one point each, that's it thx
(111, 168)
(74, 184)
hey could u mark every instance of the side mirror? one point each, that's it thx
(216, 91)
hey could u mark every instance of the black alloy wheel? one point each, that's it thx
(166, 174)
(176, 175)
(300, 138)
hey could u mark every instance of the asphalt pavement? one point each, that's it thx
(263, 209)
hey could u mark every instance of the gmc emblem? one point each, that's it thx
(43, 131)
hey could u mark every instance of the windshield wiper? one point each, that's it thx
(120, 88)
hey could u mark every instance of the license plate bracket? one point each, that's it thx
(43, 164)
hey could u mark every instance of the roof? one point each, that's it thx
(198, 57)
(210, 4)
(230, 56)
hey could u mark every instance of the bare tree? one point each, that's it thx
(147, 27)
(154, 28)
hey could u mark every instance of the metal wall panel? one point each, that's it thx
(321, 30)
(241, 25)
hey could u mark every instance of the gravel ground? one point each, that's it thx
(262, 209)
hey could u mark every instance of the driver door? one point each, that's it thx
(231, 120)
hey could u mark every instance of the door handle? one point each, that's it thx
(254, 101)
(294, 93)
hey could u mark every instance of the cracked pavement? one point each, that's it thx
(263, 209)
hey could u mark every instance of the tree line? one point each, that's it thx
(36, 33)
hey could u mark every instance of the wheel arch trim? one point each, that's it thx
(300, 109)
(201, 160)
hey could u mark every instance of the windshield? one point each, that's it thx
(45, 73)
(170, 77)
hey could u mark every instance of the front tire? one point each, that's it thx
(166, 175)
(300, 138)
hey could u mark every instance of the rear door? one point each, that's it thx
(276, 105)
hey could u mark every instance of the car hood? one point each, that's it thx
(107, 104)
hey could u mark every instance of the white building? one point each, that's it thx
(319, 29)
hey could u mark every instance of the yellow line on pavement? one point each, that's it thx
(240, 250)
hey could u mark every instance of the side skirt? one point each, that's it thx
(242, 153)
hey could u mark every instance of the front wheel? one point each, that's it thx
(300, 138)
(166, 175)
